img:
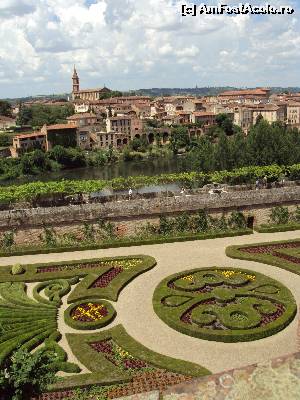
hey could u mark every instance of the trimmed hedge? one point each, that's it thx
(31, 274)
(101, 323)
(265, 228)
(171, 303)
(124, 243)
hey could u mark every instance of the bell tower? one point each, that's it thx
(75, 80)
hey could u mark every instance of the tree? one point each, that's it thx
(60, 154)
(223, 157)
(225, 123)
(5, 108)
(26, 375)
(179, 139)
(25, 116)
(201, 156)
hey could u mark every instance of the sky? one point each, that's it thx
(132, 44)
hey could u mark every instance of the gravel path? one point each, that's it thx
(135, 311)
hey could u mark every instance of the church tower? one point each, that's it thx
(75, 80)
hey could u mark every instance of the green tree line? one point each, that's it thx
(39, 114)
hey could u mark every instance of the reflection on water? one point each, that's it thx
(121, 169)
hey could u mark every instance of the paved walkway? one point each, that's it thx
(135, 310)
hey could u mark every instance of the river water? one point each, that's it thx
(125, 168)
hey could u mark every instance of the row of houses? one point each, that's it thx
(99, 124)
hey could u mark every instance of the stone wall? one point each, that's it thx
(129, 215)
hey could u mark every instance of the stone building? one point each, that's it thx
(86, 94)
(28, 142)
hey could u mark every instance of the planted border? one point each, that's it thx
(204, 303)
(277, 228)
(124, 243)
(237, 252)
(105, 373)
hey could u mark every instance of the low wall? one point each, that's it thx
(129, 215)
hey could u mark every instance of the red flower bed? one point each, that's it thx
(105, 346)
(134, 364)
(105, 279)
(60, 268)
(267, 319)
(269, 248)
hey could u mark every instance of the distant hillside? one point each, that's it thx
(157, 92)
(201, 91)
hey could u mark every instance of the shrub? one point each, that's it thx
(88, 232)
(201, 221)
(17, 269)
(165, 225)
(8, 239)
(26, 375)
(279, 215)
(182, 223)
(237, 220)
(48, 237)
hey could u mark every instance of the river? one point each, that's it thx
(124, 168)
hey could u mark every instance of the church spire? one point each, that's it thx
(75, 80)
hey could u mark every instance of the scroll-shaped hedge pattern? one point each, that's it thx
(224, 305)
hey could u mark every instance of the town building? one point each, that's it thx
(6, 122)
(246, 96)
(86, 94)
(28, 142)
(132, 127)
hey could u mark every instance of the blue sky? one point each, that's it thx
(131, 44)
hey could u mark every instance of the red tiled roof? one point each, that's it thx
(60, 126)
(203, 114)
(246, 92)
(28, 135)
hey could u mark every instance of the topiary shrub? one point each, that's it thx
(17, 269)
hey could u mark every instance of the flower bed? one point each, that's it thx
(93, 314)
(224, 305)
(124, 264)
(284, 254)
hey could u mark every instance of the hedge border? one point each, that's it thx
(90, 325)
(236, 253)
(104, 373)
(162, 291)
(277, 228)
(118, 244)
(30, 274)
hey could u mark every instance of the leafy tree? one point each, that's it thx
(223, 158)
(202, 155)
(5, 108)
(39, 114)
(25, 116)
(225, 123)
(179, 138)
(26, 375)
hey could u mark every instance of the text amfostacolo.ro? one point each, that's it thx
(220, 9)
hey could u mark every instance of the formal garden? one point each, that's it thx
(31, 298)
(61, 319)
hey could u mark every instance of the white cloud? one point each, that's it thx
(129, 44)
